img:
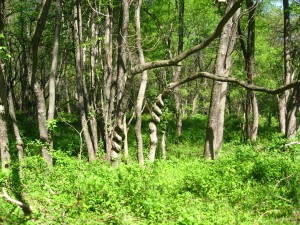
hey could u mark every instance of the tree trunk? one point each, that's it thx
(108, 89)
(293, 107)
(4, 149)
(153, 141)
(143, 86)
(122, 93)
(177, 70)
(284, 98)
(80, 85)
(214, 131)
(37, 90)
(251, 102)
(52, 79)
(93, 100)
(4, 144)
(163, 146)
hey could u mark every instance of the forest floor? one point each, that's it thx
(252, 183)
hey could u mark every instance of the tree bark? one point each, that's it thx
(107, 92)
(293, 107)
(248, 50)
(52, 79)
(93, 100)
(143, 85)
(177, 69)
(284, 98)
(214, 132)
(80, 85)
(37, 90)
(4, 144)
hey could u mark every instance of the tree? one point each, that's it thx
(4, 145)
(248, 50)
(214, 132)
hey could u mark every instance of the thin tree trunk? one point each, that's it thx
(143, 86)
(251, 103)
(177, 71)
(153, 141)
(52, 79)
(121, 77)
(284, 98)
(107, 91)
(80, 85)
(93, 100)
(12, 114)
(4, 147)
(4, 144)
(37, 90)
(163, 145)
(293, 107)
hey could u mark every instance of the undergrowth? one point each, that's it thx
(250, 184)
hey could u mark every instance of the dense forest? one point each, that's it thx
(150, 112)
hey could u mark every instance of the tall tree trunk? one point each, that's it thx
(214, 131)
(107, 91)
(284, 98)
(93, 100)
(4, 144)
(143, 85)
(251, 102)
(52, 80)
(122, 78)
(80, 83)
(37, 90)
(177, 70)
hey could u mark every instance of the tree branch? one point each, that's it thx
(11, 200)
(171, 62)
(244, 84)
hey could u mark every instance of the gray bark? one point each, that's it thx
(93, 100)
(52, 79)
(37, 90)
(143, 85)
(80, 85)
(214, 132)
(4, 144)
(177, 70)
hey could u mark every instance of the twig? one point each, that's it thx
(11, 200)
(265, 213)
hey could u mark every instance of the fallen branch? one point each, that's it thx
(23, 205)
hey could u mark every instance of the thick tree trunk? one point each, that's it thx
(143, 86)
(214, 132)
